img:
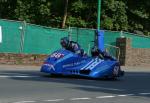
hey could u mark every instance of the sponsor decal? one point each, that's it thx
(73, 64)
(57, 55)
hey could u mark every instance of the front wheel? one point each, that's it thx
(116, 71)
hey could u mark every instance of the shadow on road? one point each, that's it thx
(131, 83)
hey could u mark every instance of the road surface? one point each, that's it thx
(25, 84)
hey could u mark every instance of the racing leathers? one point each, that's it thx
(95, 52)
(72, 46)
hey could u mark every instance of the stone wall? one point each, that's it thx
(137, 57)
(132, 56)
(22, 59)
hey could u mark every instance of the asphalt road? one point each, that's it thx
(25, 84)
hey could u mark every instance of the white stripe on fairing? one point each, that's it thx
(94, 64)
(91, 65)
(87, 64)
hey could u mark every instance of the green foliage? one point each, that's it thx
(35, 11)
(114, 14)
(127, 15)
(78, 6)
(107, 23)
(7, 9)
(73, 21)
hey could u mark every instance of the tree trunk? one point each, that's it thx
(65, 14)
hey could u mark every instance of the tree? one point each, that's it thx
(7, 8)
(35, 11)
(65, 14)
(114, 14)
(127, 15)
(139, 15)
(78, 14)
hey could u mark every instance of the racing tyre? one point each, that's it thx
(116, 71)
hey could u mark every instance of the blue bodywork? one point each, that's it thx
(65, 62)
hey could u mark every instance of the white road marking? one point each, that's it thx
(144, 93)
(13, 74)
(25, 102)
(100, 97)
(16, 76)
(53, 100)
(125, 95)
(85, 98)
(113, 89)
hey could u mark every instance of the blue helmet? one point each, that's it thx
(64, 41)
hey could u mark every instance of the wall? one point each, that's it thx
(22, 59)
(132, 56)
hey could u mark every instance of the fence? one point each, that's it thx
(21, 37)
(11, 37)
(42, 40)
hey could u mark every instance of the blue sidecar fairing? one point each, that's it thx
(65, 62)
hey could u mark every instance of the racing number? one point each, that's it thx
(57, 55)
